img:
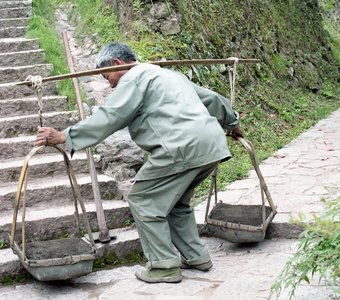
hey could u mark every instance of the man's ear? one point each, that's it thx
(117, 62)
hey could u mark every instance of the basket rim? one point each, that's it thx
(240, 226)
(58, 261)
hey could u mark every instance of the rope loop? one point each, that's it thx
(36, 83)
(232, 77)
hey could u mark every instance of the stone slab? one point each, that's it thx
(22, 58)
(57, 191)
(19, 107)
(18, 12)
(15, 4)
(41, 165)
(13, 22)
(20, 146)
(15, 126)
(56, 221)
(12, 32)
(18, 44)
(10, 91)
(20, 73)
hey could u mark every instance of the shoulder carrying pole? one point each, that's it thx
(104, 235)
(167, 63)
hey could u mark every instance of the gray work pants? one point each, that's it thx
(164, 218)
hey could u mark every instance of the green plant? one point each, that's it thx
(3, 245)
(317, 254)
(13, 175)
(128, 222)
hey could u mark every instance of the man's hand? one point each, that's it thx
(49, 136)
(235, 133)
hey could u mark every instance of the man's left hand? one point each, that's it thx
(49, 136)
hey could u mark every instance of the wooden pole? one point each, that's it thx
(186, 62)
(104, 235)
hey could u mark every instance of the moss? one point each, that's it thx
(111, 260)
(16, 279)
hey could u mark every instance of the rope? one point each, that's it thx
(232, 76)
(36, 83)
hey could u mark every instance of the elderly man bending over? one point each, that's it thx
(181, 125)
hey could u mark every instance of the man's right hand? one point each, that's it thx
(235, 133)
(49, 136)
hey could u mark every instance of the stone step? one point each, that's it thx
(18, 44)
(19, 147)
(22, 58)
(12, 91)
(40, 166)
(16, 126)
(19, 107)
(13, 22)
(18, 12)
(14, 4)
(20, 73)
(125, 244)
(12, 32)
(56, 191)
(56, 221)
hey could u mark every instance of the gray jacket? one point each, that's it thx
(177, 122)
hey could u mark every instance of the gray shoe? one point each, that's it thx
(172, 275)
(201, 267)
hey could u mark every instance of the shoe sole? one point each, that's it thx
(186, 266)
(163, 280)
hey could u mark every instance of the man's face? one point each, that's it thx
(113, 78)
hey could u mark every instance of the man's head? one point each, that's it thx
(115, 54)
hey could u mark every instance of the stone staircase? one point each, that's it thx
(50, 210)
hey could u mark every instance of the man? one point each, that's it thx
(180, 125)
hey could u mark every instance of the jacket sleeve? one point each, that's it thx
(219, 107)
(119, 110)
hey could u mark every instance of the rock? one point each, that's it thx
(291, 72)
(159, 10)
(87, 109)
(170, 26)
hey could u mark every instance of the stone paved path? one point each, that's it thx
(298, 175)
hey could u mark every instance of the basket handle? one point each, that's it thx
(23, 183)
(264, 188)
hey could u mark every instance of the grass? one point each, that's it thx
(42, 26)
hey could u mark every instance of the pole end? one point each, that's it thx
(104, 236)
